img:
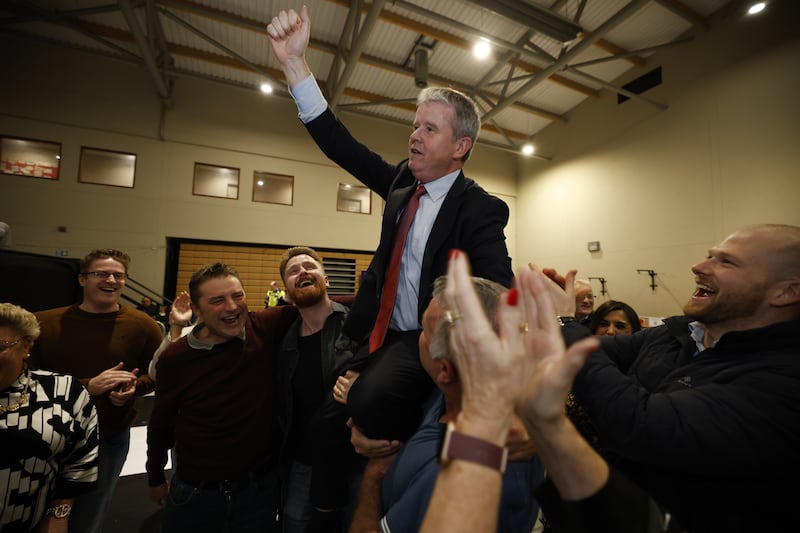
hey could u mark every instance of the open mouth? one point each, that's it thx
(230, 319)
(305, 282)
(703, 291)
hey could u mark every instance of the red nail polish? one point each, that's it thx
(455, 252)
(513, 296)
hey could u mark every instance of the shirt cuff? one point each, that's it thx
(309, 99)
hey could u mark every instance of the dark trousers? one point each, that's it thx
(247, 506)
(385, 402)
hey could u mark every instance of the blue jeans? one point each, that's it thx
(90, 509)
(212, 508)
(297, 508)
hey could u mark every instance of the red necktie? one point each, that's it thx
(393, 272)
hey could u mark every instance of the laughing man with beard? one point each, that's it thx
(215, 402)
(307, 370)
(703, 412)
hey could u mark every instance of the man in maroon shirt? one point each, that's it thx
(214, 403)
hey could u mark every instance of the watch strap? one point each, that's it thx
(61, 510)
(468, 448)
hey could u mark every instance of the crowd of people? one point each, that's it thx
(448, 394)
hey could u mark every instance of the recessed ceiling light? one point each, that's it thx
(266, 88)
(528, 149)
(756, 8)
(481, 49)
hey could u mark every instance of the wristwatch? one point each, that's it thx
(467, 448)
(564, 320)
(61, 510)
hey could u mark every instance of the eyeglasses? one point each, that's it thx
(102, 274)
(7, 345)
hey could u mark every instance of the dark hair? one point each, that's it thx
(614, 305)
(297, 250)
(105, 253)
(217, 270)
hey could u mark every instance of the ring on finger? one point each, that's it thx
(523, 327)
(451, 316)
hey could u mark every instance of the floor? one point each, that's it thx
(131, 510)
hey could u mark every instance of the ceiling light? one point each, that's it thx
(756, 8)
(528, 149)
(260, 183)
(482, 49)
(266, 88)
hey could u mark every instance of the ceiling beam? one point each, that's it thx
(162, 85)
(532, 16)
(257, 26)
(356, 49)
(465, 44)
(621, 15)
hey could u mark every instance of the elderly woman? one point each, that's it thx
(48, 434)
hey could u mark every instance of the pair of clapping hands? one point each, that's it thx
(524, 369)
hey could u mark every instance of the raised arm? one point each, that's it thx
(289, 33)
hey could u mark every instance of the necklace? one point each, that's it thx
(11, 408)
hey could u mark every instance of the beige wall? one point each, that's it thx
(658, 188)
(81, 99)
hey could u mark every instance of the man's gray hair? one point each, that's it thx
(466, 116)
(488, 294)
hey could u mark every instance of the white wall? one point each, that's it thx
(658, 188)
(85, 100)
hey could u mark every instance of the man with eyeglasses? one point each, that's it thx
(108, 347)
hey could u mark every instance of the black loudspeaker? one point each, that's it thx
(38, 282)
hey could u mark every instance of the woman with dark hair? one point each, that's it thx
(614, 318)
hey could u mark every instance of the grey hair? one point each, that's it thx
(466, 117)
(488, 294)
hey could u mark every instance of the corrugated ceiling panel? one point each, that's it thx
(650, 26)
(393, 43)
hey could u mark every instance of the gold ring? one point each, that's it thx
(450, 317)
(523, 327)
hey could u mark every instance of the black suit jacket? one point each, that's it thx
(470, 219)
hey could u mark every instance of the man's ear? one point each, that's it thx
(787, 293)
(463, 145)
(446, 372)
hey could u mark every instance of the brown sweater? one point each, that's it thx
(85, 344)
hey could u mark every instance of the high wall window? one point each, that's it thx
(29, 157)
(213, 180)
(273, 188)
(354, 199)
(106, 167)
